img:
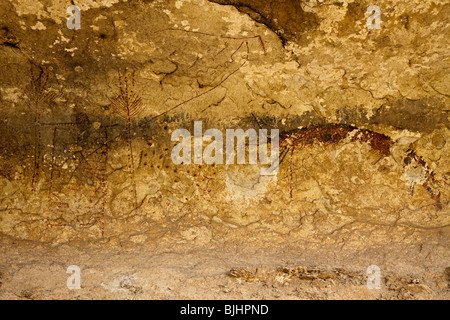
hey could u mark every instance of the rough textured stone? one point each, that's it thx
(364, 121)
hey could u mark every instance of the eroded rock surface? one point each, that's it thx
(87, 117)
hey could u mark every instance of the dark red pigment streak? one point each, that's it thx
(335, 133)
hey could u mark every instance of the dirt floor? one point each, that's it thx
(38, 272)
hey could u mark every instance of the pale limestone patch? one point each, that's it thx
(178, 4)
(129, 45)
(12, 94)
(237, 23)
(38, 26)
(24, 7)
(200, 235)
(245, 183)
